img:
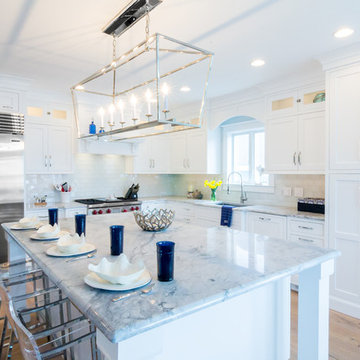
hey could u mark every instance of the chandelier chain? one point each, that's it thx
(114, 47)
(147, 26)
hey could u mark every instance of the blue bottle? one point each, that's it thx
(92, 128)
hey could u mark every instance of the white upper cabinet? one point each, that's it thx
(9, 101)
(48, 149)
(293, 102)
(296, 144)
(344, 118)
(152, 156)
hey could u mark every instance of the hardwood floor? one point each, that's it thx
(344, 335)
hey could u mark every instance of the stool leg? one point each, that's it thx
(94, 352)
(11, 345)
(3, 334)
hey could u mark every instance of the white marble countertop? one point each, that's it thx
(267, 209)
(211, 266)
(59, 205)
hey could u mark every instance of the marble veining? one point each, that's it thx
(211, 265)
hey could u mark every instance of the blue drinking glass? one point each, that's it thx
(165, 260)
(53, 216)
(80, 224)
(117, 239)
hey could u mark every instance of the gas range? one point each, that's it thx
(105, 206)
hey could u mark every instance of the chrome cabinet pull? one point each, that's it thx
(49, 160)
(305, 227)
(150, 163)
(184, 163)
(307, 240)
(45, 161)
(153, 163)
(188, 163)
(294, 158)
(264, 219)
(299, 158)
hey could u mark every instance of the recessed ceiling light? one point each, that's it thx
(79, 87)
(257, 62)
(343, 32)
(185, 89)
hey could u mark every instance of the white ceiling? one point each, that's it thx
(57, 43)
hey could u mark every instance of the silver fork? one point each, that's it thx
(89, 256)
(145, 290)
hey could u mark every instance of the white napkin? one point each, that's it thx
(48, 230)
(28, 222)
(70, 243)
(120, 271)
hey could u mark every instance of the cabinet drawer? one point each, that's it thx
(307, 240)
(306, 228)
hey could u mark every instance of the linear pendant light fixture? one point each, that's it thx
(141, 93)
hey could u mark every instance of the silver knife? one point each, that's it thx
(143, 291)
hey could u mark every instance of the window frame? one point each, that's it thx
(230, 131)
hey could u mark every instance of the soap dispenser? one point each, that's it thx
(92, 127)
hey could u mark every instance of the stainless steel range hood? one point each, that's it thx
(129, 16)
(11, 124)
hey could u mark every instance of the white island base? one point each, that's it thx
(251, 326)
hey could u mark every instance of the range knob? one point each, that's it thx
(94, 212)
(101, 212)
(132, 208)
(137, 208)
(108, 211)
(124, 210)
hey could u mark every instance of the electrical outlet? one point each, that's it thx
(286, 191)
(298, 192)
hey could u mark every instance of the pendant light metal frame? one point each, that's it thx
(142, 47)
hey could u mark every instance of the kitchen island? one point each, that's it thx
(230, 298)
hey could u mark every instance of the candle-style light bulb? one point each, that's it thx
(102, 113)
(111, 111)
(133, 102)
(148, 96)
(165, 90)
(120, 106)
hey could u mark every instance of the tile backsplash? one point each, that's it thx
(97, 176)
(104, 175)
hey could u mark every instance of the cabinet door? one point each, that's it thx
(270, 225)
(344, 235)
(36, 158)
(142, 161)
(196, 159)
(281, 144)
(160, 154)
(60, 149)
(9, 101)
(282, 104)
(178, 153)
(311, 142)
(307, 97)
(344, 115)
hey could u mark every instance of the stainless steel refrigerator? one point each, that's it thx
(11, 173)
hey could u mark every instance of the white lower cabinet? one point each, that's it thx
(344, 235)
(207, 216)
(265, 224)
(62, 213)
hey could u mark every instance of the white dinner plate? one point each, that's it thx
(86, 249)
(19, 227)
(97, 282)
(36, 237)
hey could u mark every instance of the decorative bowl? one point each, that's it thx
(70, 243)
(47, 231)
(120, 271)
(28, 222)
(154, 220)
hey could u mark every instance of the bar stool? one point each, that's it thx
(60, 335)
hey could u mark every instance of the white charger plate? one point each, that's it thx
(19, 227)
(97, 282)
(36, 237)
(86, 249)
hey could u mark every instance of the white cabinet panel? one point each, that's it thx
(48, 149)
(36, 160)
(9, 101)
(264, 224)
(311, 142)
(196, 152)
(306, 228)
(143, 161)
(344, 115)
(60, 149)
(344, 235)
(160, 154)
(178, 153)
(281, 144)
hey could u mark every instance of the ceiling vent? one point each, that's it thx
(129, 16)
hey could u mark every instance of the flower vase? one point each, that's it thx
(213, 194)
